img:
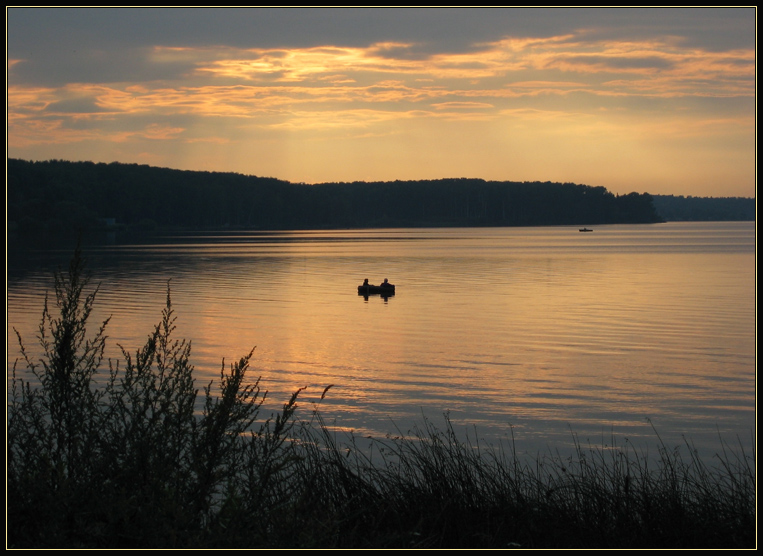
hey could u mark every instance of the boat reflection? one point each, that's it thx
(385, 294)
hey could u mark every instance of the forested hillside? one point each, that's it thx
(55, 196)
(678, 207)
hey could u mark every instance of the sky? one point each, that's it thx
(650, 100)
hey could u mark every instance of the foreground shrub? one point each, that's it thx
(125, 459)
(135, 457)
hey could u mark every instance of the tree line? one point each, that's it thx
(680, 208)
(57, 195)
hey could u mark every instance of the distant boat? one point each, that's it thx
(585, 230)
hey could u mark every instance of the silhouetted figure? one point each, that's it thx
(385, 289)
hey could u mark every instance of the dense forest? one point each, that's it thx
(680, 208)
(57, 196)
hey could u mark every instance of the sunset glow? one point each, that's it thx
(627, 106)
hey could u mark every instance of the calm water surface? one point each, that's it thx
(539, 331)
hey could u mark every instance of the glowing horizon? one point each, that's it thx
(647, 112)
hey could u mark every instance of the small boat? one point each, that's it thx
(585, 230)
(370, 289)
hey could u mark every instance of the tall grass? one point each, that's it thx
(122, 457)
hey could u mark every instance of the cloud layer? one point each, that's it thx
(647, 100)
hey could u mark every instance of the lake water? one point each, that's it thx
(535, 332)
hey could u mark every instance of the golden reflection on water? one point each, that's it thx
(541, 328)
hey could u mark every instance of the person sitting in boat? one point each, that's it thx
(365, 282)
(385, 284)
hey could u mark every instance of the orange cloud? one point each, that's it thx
(461, 105)
(513, 94)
